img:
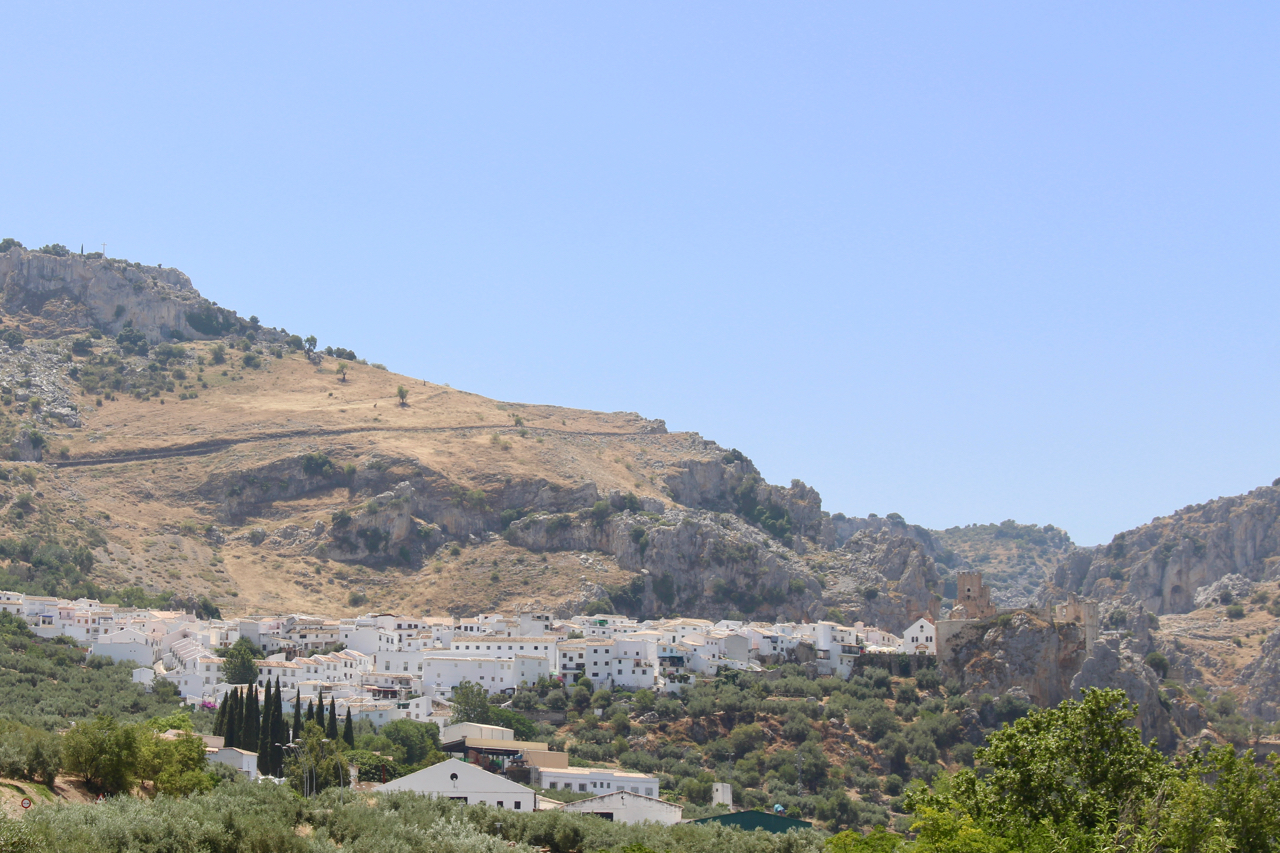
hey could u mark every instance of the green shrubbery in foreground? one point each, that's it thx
(249, 817)
(1074, 778)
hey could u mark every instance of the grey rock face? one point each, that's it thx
(1169, 560)
(1262, 677)
(1113, 663)
(1224, 590)
(78, 291)
(1025, 652)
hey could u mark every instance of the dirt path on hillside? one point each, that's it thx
(202, 448)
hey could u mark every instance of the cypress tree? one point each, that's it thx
(297, 713)
(348, 731)
(231, 737)
(279, 733)
(249, 729)
(331, 731)
(311, 711)
(320, 712)
(264, 732)
(220, 724)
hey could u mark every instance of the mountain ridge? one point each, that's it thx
(219, 399)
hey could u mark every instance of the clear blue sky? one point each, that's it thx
(965, 262)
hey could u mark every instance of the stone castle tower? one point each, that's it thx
(973, 599)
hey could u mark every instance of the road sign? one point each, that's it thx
(26, 803)
(102, 798)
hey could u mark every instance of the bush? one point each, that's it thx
(1159, 663)
(928, 679)
(251, 360)
(356, 599)
(56, 249)
(1235, 611)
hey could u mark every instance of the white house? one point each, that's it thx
(628, 807)
(466, 783)
(127, 645)
(595, 780)
(918, 639)
(240, 759)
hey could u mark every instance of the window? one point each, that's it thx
(582, 787)
(648, 792)
(517, 805)
(499, 803)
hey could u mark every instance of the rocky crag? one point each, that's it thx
(54, 294)
(1163, 564)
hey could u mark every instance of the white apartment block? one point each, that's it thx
(593, 780)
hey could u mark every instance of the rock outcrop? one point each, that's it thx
(1019, 650)
(59, 294)
(1261, 677)
(1224, 591)
(691, 562)
(883, 579)
(1163, 564)
(1117, 663)
(379, 528)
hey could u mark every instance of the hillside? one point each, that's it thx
(174, 449)
(166, 449)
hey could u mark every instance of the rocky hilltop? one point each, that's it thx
(1162, 565)
(54, 293)
(193, 453)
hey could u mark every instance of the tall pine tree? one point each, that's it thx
(231, 737)
(320, 711)
(297, 714)
(264, 732)
(348, 731)
(331, 731)
(220, 724)
(252, 724)
(279, 734)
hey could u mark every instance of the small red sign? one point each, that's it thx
(26, 803)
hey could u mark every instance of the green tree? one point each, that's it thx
(104, 753)
(417, 739)
(348, 731)
(220, 721)
(342, 372)
(279, 733)
(265, 732)
(297, 715)
(403, 393)
(239, 666)
(331, 727)
(309, 342)
(235, 717)
(470, 704)
(251, 725)
(853, 841)
(316, 763)
(1080, 764)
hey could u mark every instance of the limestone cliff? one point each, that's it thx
(1261, 678)
(1114, 662)
(1162, 564)
(1019, 650)
(54, 295)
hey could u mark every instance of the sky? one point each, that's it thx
(964, 262)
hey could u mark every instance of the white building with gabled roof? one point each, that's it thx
(466, 783)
